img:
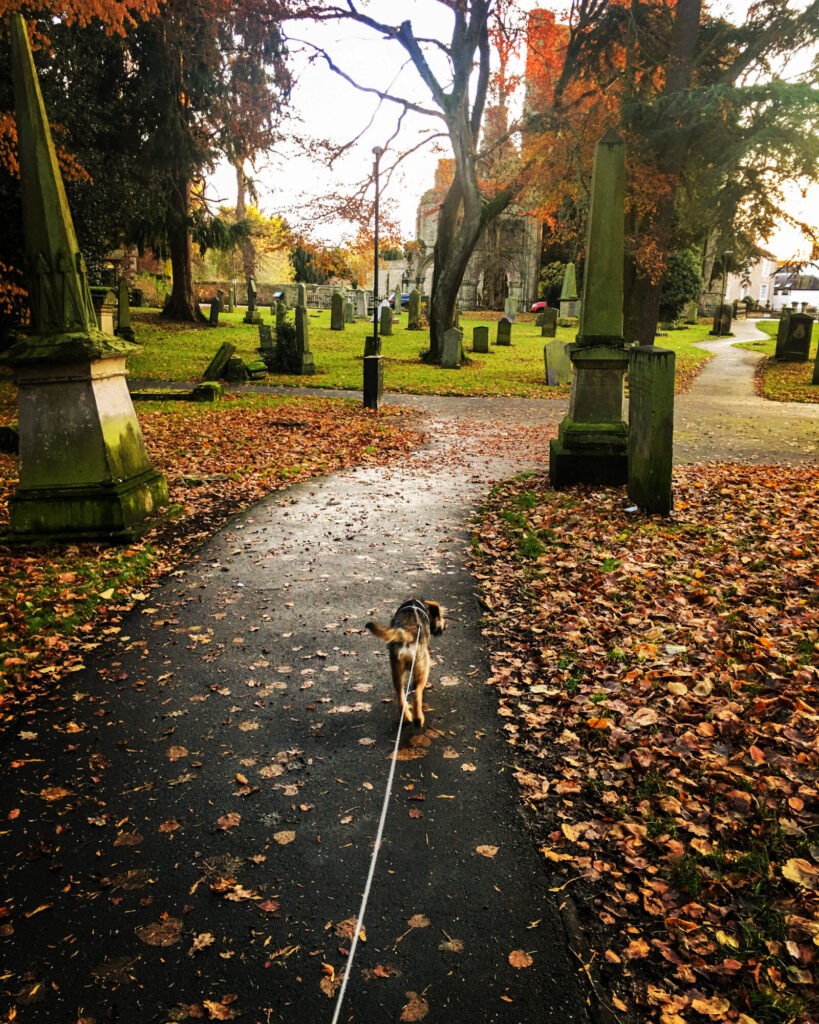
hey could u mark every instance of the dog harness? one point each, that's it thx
(417, 606)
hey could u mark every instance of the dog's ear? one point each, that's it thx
(436, 618)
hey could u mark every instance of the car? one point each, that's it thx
(404, 300)
(539, 306)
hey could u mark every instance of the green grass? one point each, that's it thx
(783, 382)
(181, 353)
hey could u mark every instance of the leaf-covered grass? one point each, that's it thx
(181, 353)
(783, 382)
(658, 683)
(56, 603)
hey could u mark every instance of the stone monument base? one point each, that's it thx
(582, 454)
(253, 317)
(106, 511)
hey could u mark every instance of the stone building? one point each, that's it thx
(506, 261)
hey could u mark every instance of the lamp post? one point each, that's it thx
(377, 151)
(373, 363)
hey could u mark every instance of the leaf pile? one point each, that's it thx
(657, 679)
(56, 604)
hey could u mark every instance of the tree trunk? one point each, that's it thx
(643, 298)
(246, 248)
(181, 304)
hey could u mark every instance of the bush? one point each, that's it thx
(682, 283)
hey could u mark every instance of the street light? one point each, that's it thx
(373, 363)
(377, 151)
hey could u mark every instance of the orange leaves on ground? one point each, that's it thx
(161, 933)
(520, 959)
(415, 1008)
(659, 680)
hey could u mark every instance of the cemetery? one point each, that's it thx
(203, 501)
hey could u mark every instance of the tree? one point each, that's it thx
(456, 75)
(712, 133)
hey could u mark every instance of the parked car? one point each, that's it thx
(404, 300)
(539, 306)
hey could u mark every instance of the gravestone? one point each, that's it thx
(252, 316)
(124, 329)
(267, 350)
(385, 325)
(480, 339)
(795, 344)
(557, 362)
(592, 442)
(782, 330)
(414, 311)
(548, 325)
(691, 313)
(235, 370)
(451, 355)
(215, 310)
(510, 309)
(84, 471)
(306, 365)
(301, 295)
(568, 296)
(816, 369)
(722, 320)
(216, 367)
(337, 312)
(349, 313)
(360, 299)
(229, 303)
(651, 428)
(504, 335)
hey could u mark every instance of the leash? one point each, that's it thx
(359, 921)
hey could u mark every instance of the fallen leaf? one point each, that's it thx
(200, 942)
(519, 959)
(160, 933)
(228, 821)
(487, 851)
(802, 872)
(415, 1009)
(284, 837)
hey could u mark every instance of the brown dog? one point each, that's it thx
(407, 637)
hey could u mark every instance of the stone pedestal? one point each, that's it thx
(651, 428)
(253, 316)
(592, 442)
(373, 381)
(84, 469)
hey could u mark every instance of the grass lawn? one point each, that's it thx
(782, 382)
(181, 353)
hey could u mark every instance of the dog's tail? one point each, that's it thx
(390, 634)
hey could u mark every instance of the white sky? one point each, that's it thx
(290, 182)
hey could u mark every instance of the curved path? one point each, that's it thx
(191, 821)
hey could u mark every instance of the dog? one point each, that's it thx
(407, 638)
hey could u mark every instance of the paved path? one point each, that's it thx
(189, 824)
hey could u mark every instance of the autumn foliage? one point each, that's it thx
(657, 682)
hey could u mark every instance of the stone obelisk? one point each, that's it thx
(592, 442)
(84, 471)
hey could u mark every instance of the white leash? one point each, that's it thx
(359, 923)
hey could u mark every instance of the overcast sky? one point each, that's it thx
(326, 106)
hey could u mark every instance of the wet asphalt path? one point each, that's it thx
(189, 828)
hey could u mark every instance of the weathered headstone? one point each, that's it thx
(795, 344)
(215, 310)
(651, 428)
(691, 313)
(216, 367)
(252, 316)
(722, 320)
(557, 363)
(306, 365)
(451, 355)
(414, 311)
(84, 470)
(480, 339)
(124, 329)
(301, 295)
(568, 296)
(510, 309)
(349, 313)
(229, 303)
(548, 325)
(385, 325)
(267, 349)
(360, 300)
(592, 442)
(337, 312)
(235, 370)
(504, 335)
